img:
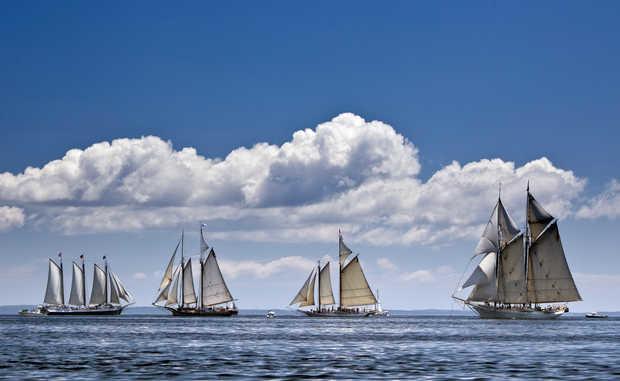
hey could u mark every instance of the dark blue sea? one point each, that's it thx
(289, 347)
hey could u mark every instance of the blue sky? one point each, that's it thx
(460, 82)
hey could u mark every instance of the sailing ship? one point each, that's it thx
(176, 291)
(355, 295)
(520, 271)
(106, 297)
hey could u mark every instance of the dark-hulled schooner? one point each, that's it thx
(520, 271)
(177, 293)
(355, 296)
(106, 297)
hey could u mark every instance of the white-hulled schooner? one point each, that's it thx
(520, 271)
(176, 291)
(355, 295)
(106, 297)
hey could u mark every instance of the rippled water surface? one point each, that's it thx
(162, 347)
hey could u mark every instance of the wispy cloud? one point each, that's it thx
(234, 269)
(606, 204)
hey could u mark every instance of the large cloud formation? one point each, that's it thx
(349, 173)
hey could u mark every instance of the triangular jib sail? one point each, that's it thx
(302, 296)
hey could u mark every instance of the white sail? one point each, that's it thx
(53, 291)
(511, 274)
(163, 294)
(327, 295)
(122, 291)
(173, 292)
(484, 280)
(549, 277)
(302, 296)
(500, 230)
(189, 294)
(204, 247)
(167, 278)
(354, 287)
(537, 217)
(114, 292)
(98, 293)
(343, 250)
(76, 297)
(214, 289)
(310, 293)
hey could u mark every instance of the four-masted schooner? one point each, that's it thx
(355, 296)
(106, 295)
(520, 271)
(176, 291)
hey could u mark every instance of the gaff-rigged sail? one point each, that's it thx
(327, 295)
(167, 278)
(354, 287)
(53, 291)
(189, 294)
(214, 288)
(76, 296)
(98, 293)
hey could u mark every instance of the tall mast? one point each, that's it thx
(202, 265)
(62, 280)
(499, 241)
(339, 272)
(83, 279)
(318, 266)
(182, 270)
(528, 236)
(105, 287)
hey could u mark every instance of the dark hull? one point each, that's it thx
(203, 313)
(87, 312)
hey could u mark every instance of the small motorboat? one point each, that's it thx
(596, 315)
(37, 311)
(271, 314)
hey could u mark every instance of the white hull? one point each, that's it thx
(490, 312)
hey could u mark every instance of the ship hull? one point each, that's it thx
(490, 312)
(106, 311)
(195, 312)
(337, 313)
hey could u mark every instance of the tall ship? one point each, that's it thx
(176, 291)
(355, 296)
(106, 298)
(521, 275)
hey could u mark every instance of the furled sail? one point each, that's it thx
(53, 291)
(173, 292)
(76, 297)
(327, 295)
(302, 296)
(549, 277)
(98, 293)
(354, 287)
(122, 292)
(167, 278)
(343, 250)
(214, 289)
(189, 294)
(484, 280)
(511, 274)
(537, 217)
(500, 230)
(114, 292)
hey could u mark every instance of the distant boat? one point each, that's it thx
(106, 296)
(176, 291)
(596, 315)
(520, 271)
(356, 297)
(271, 315)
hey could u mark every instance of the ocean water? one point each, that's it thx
(253, 347)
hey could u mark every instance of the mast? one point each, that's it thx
(339, 272)
(499, 241)
(105, 287)
(528, 239)
(182, 270)
(318, 274)
(83, 280)
(62, 281)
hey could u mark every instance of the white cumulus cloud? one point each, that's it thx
(234, 269)
(606, 204)
(361, 176)
(11, 217)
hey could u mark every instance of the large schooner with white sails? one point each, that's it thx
(106, 297)
(355, 296)
(177, 293)
(520, 271)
